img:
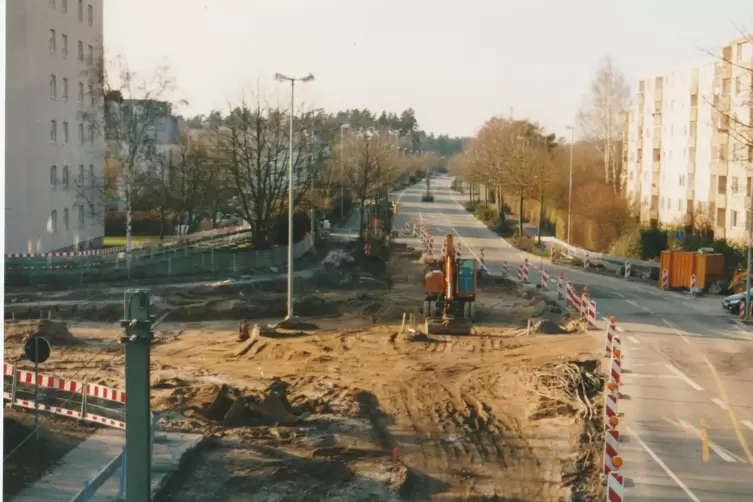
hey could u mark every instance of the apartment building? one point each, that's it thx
(54, 154)
(686, 156)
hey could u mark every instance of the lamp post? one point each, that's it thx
(570, 192)
(282, 78)
(342, 172)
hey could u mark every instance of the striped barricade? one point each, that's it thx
(544, 282)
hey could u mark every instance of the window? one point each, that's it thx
(81, 175)
(734, 186)
(65, 219)
(81, 134)
(91, 94)
(66, 177)
(65, 46)
(81, 93)
(65, 88)
(81, 216)
(91, 133)
(54, 176)
(53, 41)
(80, 11)
(657, 154)
(53, 86)
(65, 133)
(80, 50)
(53, 221)
(721, 185)
(91, 173)
(53, 131)
(733, 218)
(91, 214)
(65, 6)
(750, 186)
(720, 217)
(90, 15)
(740, 51)
(91, 55)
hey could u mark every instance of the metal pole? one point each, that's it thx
(290, 205)
(137, 339)
(750, 259)
(570, 192)
(342, 173)
(313, 183)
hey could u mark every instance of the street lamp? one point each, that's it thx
(342, 171)
(282, 78)
(570, 193)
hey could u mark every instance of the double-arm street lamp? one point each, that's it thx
(282, 78)
(570, 192)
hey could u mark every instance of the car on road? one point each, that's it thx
(732, 303)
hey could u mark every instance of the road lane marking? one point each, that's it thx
(719, 403)
(667, 470)
(470, 249)
(648, 310)
(677, 331)
(620, 295)
(647, 375)
(683, 377)
(634, 340)
(706, 444)
(730, 412)
(747, 424)
(619, 328)
(634, 304)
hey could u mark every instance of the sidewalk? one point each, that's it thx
(90, 457)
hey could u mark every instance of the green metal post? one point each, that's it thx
(137, 337)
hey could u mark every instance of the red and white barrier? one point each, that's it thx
(665, 279)
(615, 486)
(615, 371)
(482, 256)
(560, 285)
(612, 459)
(591, 314)
(544, 279)
(610, 408)
(573, 299)
(525, 270)
(520, 273)
(584, 302)
(692, 282)
(610, 332)
(616, 347)
(627, 270)
(504, 269)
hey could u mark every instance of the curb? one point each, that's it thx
(188, 455)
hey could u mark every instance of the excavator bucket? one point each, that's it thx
(448, 326)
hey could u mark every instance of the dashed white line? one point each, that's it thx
(667, 470)
(619, 328)
(470, 249)
(634, 304)
(747, 424)
(683, 377)
(719, 403)
(619, 294)
(634, 340)
(647, 310)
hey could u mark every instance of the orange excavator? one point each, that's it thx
(450, 293)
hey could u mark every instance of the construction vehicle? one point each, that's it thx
(450, 293)
(378, 226)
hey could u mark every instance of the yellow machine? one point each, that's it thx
(450, 294)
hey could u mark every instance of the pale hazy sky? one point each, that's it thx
(455, 62)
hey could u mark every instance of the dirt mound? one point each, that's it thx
(548, 327)
(53, 331)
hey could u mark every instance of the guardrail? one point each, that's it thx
(594, 257)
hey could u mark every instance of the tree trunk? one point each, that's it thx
(500, 205)
(520, 214)
(541, 217)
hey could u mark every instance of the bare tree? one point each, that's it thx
(125, 109)
(254, 146)
(602, 117)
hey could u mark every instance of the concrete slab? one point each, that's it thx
(84, 462)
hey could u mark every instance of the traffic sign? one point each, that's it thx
(37, 349)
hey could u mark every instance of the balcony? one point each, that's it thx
(721, 200)
(719, 168)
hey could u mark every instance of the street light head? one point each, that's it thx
(280, 77)
(308, 78)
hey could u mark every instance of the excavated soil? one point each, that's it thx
(360, 406)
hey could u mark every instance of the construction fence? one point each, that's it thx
(215, 255)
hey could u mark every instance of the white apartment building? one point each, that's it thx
(51, 151)
(684, 163)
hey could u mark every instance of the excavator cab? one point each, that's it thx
(450, 294)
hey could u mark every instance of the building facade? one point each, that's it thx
(687, 145)
(53, 150)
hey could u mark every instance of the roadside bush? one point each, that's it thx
(528, 244)
(628, 245)
(653, 242)
(486, 214)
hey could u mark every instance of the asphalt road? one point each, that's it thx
(687, 410)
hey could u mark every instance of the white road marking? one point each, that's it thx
(724, 454)
(738, 327)
(719, 403)
(747, 424)
(620, 295)
(634, 340)
(677, 331)
(647, 310)
(667, 470)
(647, 375)
(683, 377)
(634, 304)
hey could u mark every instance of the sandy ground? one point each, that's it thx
(352, 408)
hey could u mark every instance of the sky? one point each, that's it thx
(456, 63)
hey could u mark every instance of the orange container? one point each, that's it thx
(681, 265)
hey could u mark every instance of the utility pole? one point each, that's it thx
(313, 184)
(137, 338)
(570, 191)
(750, 259)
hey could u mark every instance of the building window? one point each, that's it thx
(90, 15)
(53, 131)
(66, 177)
(740, 51)
(65, 219)
(53, 42)
(54, 176)
(65, 88)
(65, 6)
(91, 133)
(80, 50)
(53, 86)
(91, 55)
(91, 95)
(65, 133)
(734, 186)
(53, 221)
(721, 185)
(91, 214)
(65, 46)
(91, 173)
(81, 134)
(81, 216)
(733, 218)
(81, 175)
(80, 11)
(81, 93)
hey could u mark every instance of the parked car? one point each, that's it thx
(732, 303)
